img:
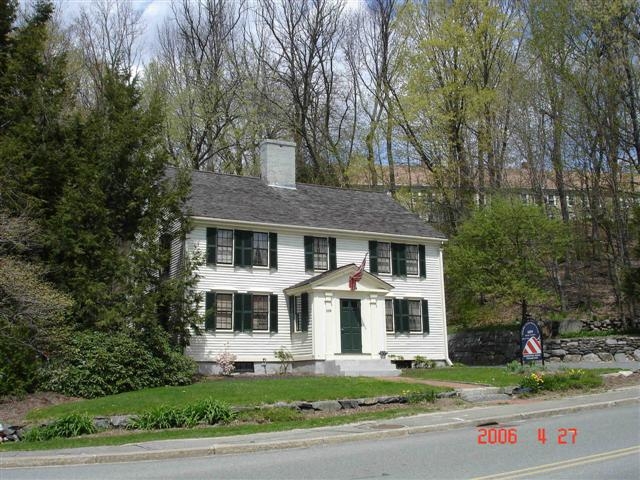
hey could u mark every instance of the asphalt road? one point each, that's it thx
(596, 444)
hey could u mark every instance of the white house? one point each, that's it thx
(279, 258)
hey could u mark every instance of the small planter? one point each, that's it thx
(383, 354)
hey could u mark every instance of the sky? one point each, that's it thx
(153, 15)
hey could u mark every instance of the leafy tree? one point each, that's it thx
(504, 254)
(31, 310)
(33, 99)
(111, 234)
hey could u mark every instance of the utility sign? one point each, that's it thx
(531, 342)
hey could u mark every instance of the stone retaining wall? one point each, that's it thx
(594, 349)
(484, 348)
(501, 347)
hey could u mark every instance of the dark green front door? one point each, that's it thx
(350, 326)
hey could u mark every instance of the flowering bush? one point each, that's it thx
(226, 361)
(533, 382)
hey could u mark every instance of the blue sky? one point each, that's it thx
(153, 15)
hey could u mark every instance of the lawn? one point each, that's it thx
(493, 376)
(126, 436)
(235, 391)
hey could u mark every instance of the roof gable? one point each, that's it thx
(338, 279)
(248, 199)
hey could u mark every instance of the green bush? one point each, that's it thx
(72, 425)
(208, 411)
(19, 365)
(95, 364)
(573, 379)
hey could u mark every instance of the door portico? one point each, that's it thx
(345, 323)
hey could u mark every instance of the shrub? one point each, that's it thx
(208, 411)
(160, 418)
(561, 381)
(573, 379)
(226, 362)
(422, 362)
(534, 382)
(285, 357)
(95, 364)
(19, 365)
(72, 425)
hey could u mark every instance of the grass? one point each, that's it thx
(234, 391)
(600, 333)
(492, 376)
(275, 421)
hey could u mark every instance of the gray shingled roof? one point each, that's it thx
(249, 199)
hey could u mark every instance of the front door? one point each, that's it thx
(350, 326)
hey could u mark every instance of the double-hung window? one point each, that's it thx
(319, 253)
(411, 254)
(397, 259)
(224, 246)
(260, 249)
(260, 312)
(241, 312)
(299, 313)
(407, 316)
(388, 314)
(384, 257)
(242, 248)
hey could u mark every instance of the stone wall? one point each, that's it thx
(484, 348)
(593, 349)
(501, 347)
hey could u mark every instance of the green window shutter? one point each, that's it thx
(425, 316)
(423, 261)
(398, 260)
(292, 313)
(308, 253)
(237, 312)
(210, 311)
(401, 315)
(304, 300)
(397, 313)
(333, 264)
(243, 250)
(242, 312)
(212, 237)
(373, 256)
(248, 311)
(273, 250)
(273, 313)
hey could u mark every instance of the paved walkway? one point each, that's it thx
(397, 427)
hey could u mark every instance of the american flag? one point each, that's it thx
(357, 275)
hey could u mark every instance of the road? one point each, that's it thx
(596, 444)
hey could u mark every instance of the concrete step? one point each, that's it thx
(364, 367)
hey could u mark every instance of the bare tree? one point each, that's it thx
(304, 58)
(107, 33)
(196, 68)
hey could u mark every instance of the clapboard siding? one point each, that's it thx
(350, 249)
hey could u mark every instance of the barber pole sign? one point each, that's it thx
(531, 342)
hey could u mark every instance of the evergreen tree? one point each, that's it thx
(112, 230)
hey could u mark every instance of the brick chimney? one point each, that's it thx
(278, 163)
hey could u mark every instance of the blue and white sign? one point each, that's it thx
(531, 342)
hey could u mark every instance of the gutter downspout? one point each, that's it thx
(444, 309)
